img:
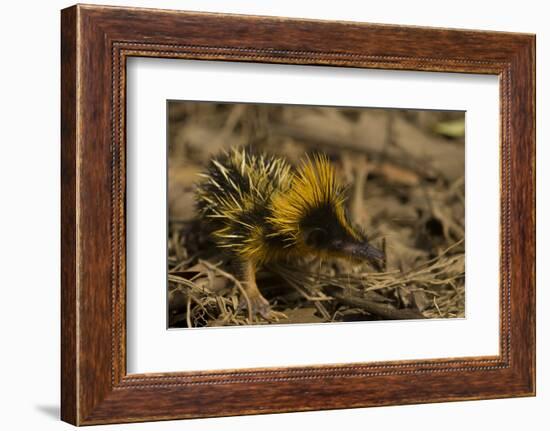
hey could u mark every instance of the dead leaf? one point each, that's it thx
(397, 174)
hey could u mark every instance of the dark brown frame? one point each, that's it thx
(95, 43)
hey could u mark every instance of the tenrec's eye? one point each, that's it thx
(315, 237)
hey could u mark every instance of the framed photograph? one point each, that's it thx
(265, 215)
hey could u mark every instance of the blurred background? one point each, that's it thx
(405, 171)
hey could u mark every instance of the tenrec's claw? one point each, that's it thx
(259, 306)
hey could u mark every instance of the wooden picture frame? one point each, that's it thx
(95, 43)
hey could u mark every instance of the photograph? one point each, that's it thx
(271, 211)
(295, 214)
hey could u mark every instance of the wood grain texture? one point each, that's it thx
(69, 397)
(96, 41)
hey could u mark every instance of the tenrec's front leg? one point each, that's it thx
(252, 299)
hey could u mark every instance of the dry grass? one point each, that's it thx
(436, 289)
